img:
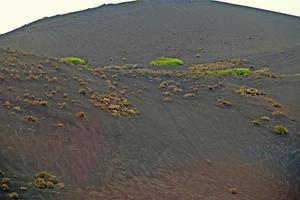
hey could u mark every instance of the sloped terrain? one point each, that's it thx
(144, 30)
(51, 120)
(224, 125)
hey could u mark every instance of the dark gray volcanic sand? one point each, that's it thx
(186, 149)
(144, 30)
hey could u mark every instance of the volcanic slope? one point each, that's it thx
(133, 132)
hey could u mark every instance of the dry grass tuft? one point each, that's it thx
(44, 180)
(81, 115)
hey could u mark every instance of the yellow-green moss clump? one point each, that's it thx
(74, 60)
(165, 61)
(280, 129)
(44, 180)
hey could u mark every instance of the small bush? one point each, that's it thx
(256, 122)
(81, 115)
(224, 102)
(265, 118)
(280, 129)
(44, 180)
(164, 61)
(232, 190)
(74, 60)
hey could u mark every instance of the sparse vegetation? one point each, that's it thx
(265, 118)
(114, 103)
(265, 72)
(5, 184)
(189, 95)
(280, 129)
(23, 188)
(44, 180)
(13, 195)
(232, 190)
(170, 86)
(224, 102)
(233, 71)
(166, 61)
(81, 115)
(256, 122)
(231, 67)
(31, 118)
(167, 99)
(74, 60)
(248, 91)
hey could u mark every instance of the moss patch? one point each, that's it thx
(165, 61)
(74, 60)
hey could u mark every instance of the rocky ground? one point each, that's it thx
(224, 125)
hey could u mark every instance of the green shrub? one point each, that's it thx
(256, 122)
(280, 129)
(74, 60)
(164, 61)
